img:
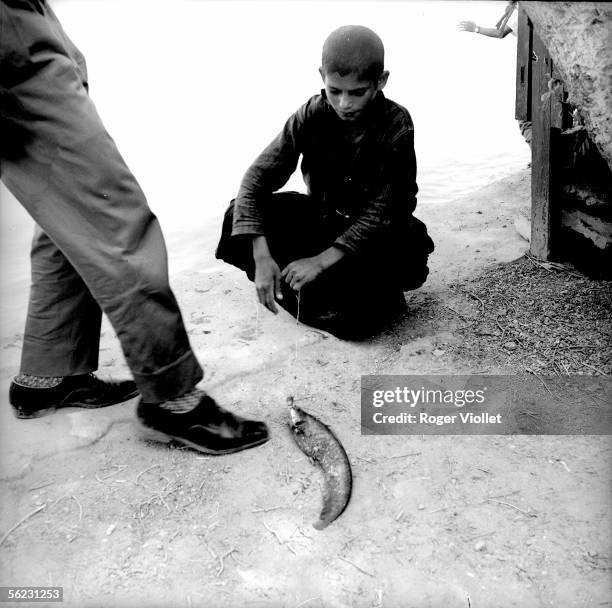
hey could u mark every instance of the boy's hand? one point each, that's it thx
(267, 282)
(267, 274)
(301, 272)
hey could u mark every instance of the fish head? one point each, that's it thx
(297, 419)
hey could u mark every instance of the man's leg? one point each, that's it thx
(62, 331)
(74, 183)
(61, 341)
(67, 172)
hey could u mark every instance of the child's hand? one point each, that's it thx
(267, 282)
(467, 26)
(301, 272)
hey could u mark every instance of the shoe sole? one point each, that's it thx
(149, 434)
(36, 414)
(50, 410)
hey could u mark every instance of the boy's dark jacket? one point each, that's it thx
(372, 183)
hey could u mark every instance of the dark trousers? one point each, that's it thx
(355, 297)
(98, 247)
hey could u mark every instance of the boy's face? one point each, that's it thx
(349, 96)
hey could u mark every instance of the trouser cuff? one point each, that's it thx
(171, 381)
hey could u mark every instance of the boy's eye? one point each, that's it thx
(353, 93)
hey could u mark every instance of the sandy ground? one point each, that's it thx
(470, 521)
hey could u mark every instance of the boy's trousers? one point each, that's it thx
(97, 247)
(355, 297)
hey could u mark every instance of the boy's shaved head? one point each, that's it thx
(353, 49)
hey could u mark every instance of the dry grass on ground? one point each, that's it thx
(535, 317)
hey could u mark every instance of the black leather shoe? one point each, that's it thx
(84, 391)
(207, 428)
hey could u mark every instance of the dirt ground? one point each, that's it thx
(465, 521)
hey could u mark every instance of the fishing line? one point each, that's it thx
(256, 317)
(297, 322)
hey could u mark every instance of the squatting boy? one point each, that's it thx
(341, 256)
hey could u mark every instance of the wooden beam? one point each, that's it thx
(541, 149)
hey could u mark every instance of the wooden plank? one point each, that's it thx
(596, 229)
(541, 182)
(557, 112)
(523, 66)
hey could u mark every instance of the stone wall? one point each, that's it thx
(578, 36)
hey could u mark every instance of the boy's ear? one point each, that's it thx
(382, 80)
(322, 73)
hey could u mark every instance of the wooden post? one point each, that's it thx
(524, 48)
(541, 149)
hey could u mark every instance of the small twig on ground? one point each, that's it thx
(535, 262)
(215, 513)
(222, 562)
(274, 532)
(502, 329)
(481, 535)
(595, 368)
(41, 486)
(287, 476)
(145, 471)
(310, 599)
(348, 561)
(563, 464)
(507, 504)
(404, 455)
(278, 538)
(290, 548)
(211, 551)
(265, 510)
(504, 494)
(21, 521)
(554, 265)
(80, 507)
(365, 459)
(457, 313)
(528, 369)
(174, 536)
(476, 298)
(163, 501)
(566, 368)
(119, 467)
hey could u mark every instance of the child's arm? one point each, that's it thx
(491, 32)
(268, 173)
